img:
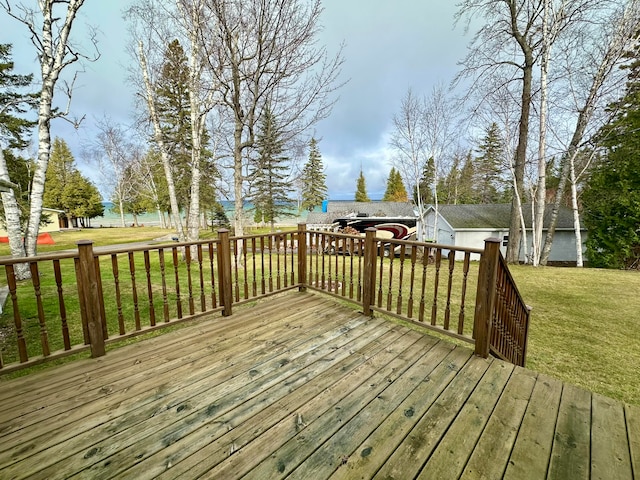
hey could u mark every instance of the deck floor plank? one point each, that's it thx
(571, 453)
(632, 415)
(451, 455)
(307, 388)
(498, 438)
(182, 404)
(246, 421)
(116, 396)
(374, 451)
(609, 441)
(532, 449)
(410, 456)
(288, 444)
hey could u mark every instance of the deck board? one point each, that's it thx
(301, 387)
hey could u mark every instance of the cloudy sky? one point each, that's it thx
(389, 47)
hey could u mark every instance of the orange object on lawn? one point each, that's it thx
(43, 239)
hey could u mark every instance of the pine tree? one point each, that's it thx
(486, 175)
(314, 180)
(395, 191)
(361, 189)
(67, 189)
(426, 183)
(269, 174)
(611, 199)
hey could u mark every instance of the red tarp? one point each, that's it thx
(43, 239)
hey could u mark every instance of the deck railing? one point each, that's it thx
(87, 299)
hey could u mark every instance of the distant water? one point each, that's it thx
(112, 219)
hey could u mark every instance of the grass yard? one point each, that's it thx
(585, 327)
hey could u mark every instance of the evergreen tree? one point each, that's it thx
(426, 183)
(314, 180)
(395, 191)
(14, 130)
(465, 187)
(361, 189)
(13, 104)
(68, 190)
(487, 171)
(269, 174)
(611, 199)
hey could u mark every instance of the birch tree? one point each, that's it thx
(589, 61)
(155, 23)
(266, 51)
(50, 29)
(506, 49)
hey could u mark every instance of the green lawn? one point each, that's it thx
(585, 327)
(585, 323)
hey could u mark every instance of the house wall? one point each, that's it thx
(563, 249)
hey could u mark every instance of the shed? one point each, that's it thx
(471, 225)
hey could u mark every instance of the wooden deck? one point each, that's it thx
(301, 387)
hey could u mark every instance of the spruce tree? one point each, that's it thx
(314, 180)
(611, 198)
(361, 189)
(395, 191)
(426, 183)
(67, 189)
(269, 177)
(487, 172)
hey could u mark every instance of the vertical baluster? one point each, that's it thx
(236, 269)
(436, 282)
(176, 273)
(187, 257)
(336, 277)
(401, 278)
(390, 286)
(103, 313)
(322, 277)
(263, 285)
(423, 287)
(254, 283)
(35, 281)
(163, 277)
(277, 247)
(447, 309)
(465, 276)
(83, 307)
(63, 310)
(344, 266)
(318, 240)
(329, 280)
(351, 272)
(381, 275)
(134, 290)
(203, 298)
(270, 250)
(245, 283)
(285, 257)
(214, 300)
(116, 281)
(147, 269)
(360, 250)
(294, 269)
(17, 321)
(414, 254)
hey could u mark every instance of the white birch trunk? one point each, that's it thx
(541, 190)
(12, 219)
(166, 161)
(576, 215)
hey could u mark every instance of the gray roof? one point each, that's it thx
(372, 209)
(340, 209)
(497, 216)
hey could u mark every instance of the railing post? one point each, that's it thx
(369, 273)
(486, 295)
(89, 283)
(224, 271)
(302, 256)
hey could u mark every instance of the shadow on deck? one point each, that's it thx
(308, 389)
